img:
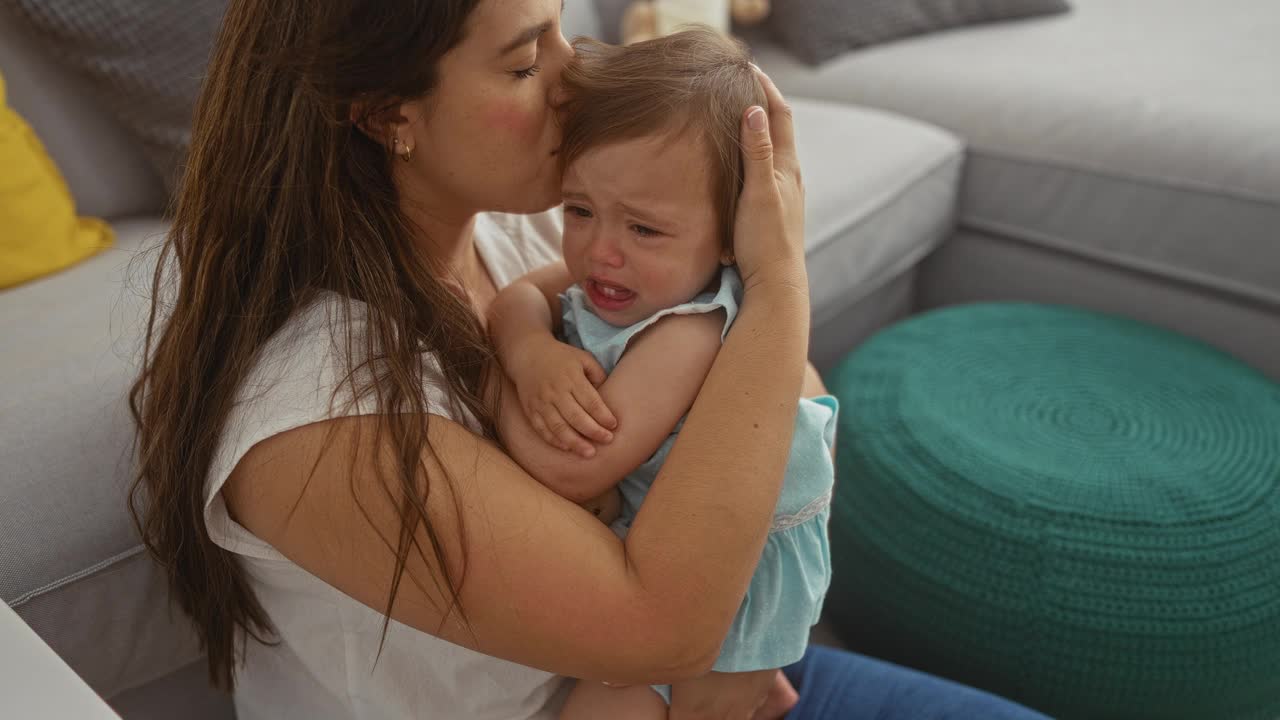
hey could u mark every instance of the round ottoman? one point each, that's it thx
(1074, 510)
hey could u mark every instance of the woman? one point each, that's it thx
(316, 409)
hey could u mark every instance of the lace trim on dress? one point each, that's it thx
(786, 522)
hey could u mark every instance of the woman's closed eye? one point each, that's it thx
(528, 72)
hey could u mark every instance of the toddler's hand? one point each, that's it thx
(557, 384)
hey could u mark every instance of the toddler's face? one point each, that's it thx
(640, 227)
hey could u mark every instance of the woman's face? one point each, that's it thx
(486, 138)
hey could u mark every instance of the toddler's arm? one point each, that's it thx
(555, 383)
(653, 386)
(528, 309)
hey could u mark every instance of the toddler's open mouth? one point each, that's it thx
(608, 296)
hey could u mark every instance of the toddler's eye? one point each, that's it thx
(577, 211)
(643, 231)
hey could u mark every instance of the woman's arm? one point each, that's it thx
(652, 387)
(545, 583)
(813, 385)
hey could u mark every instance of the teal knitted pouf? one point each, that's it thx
(1074, 510)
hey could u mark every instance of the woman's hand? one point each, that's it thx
(769, 226)
(556, 384)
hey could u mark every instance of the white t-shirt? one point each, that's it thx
(323, 666)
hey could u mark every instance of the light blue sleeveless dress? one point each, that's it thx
(771, 629)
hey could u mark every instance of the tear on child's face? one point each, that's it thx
(640, 227)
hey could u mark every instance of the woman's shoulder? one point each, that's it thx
(542, 230)
(513, 245)
(316, 362)
(309, 371)
(299, 367)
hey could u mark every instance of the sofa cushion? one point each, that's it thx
(185, 693)
(818, 30)
(145, 61)
(83, 139)
(880, 195)
(1100, 133)
(72, 564)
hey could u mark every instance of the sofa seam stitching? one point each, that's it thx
(75, 577)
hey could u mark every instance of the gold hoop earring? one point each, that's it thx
(407, 155)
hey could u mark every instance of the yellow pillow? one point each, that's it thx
(39, 230)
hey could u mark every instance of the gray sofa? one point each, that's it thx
(1122, 157)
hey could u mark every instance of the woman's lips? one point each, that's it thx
(607, 296)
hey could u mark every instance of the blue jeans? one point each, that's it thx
(843, 686)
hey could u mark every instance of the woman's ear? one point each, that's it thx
(387, 125)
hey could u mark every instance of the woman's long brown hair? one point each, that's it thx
(284, 197)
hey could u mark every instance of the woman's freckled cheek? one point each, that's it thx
(512, 119)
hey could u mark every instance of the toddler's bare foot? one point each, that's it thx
(781, 698)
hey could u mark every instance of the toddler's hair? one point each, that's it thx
(695, 81)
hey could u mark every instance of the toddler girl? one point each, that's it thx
(647, 291)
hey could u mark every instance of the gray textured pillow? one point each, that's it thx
(146, 59)
(817, 30)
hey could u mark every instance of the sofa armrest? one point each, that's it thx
(35, 682)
